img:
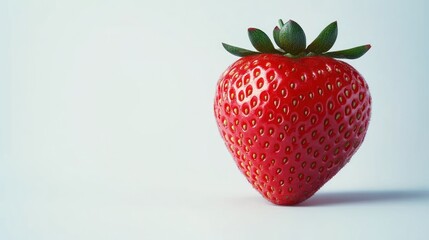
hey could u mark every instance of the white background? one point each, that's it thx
(107, 129)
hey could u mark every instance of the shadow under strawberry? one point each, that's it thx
(364, 197)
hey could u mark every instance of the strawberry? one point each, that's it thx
(293, 116)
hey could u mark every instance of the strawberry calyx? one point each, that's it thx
(291, 41)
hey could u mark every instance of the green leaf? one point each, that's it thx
(240, 52)
(325, 40)
(276, 34)
(292, 38)
(261, 41)
(351, 53)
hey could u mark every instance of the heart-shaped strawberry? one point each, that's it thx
(292, 116)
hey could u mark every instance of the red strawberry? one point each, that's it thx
(292, 117)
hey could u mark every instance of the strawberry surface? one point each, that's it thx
(291, 124)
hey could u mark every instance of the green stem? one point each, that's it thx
(290, 37)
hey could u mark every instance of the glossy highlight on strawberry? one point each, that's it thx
(292, 117)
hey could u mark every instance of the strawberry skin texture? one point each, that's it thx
(291, 123)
